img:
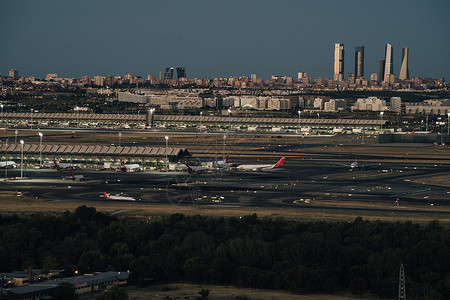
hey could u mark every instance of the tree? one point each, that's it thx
(65, 291)
(115, 293)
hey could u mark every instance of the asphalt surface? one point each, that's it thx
(300, 183)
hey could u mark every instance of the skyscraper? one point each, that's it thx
(381, 74)
(338, 62)
(168, 74)
(404, 71)
(359, 61)
(181, 73)
(389, 62)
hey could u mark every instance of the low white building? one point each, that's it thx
(370, 103)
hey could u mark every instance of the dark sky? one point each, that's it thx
(220, 38)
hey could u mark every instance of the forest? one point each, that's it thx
(303, 257)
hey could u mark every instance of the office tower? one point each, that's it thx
(359, 61)
(13, 73)
(253, 77)
(382, 65)
(168, 74)
(181, 72)
(389, 62)
(404, 72)
(338, 62)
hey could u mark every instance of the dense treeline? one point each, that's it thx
(249, 251)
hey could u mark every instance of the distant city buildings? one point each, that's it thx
(370, 103)
(168, 73)
(14, 73)
(389, 62)
(181, 73)
(359, 61)
(404, 71)
(338, 62)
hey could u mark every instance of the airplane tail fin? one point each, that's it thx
(187, 165)
(122, 166)
(226, 158)
(105, 194)
(71, 174)
(55, 163)
(279, 163)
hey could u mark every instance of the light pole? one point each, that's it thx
(15, 137)
(40, 148)
(120, 137)
(318, 123)
(77, 109)
(167, 161)
(201, 117)
(21, 160)
(426, 125)
(152, 110)
(31, 118)
(224, 142)
(1, 105)
(381, 119)
(299, 113)
(229, 117)
(448, 123)
(6, 168)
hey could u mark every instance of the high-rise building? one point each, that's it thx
(168, 74)
(181, 72)
(338, 62)
(253, 77)
(381, 74)
(389, 62)
(13, 73)
(404, 71)
(359, 61)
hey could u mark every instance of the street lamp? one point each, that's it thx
(201, 117)
(6, 168)
(229, 117)
(40, 147)
(15, 137)
(120, 136)
(224, 143)
(448, 123)
(1, 105)
(381, 119)
(32, 118)
(77, 109)
(21, 160)
(318, 123)
(426, 125)
(167, 161)
(299, 113)
(152, 110)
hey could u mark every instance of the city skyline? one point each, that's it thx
(268, 38)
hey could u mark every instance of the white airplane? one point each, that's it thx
(357, 166)
(219, 163)
(75, 177)
(7, 164)
(260, 167)
(130, 167)
(64, 166)
(118, 197)
(195, 169)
